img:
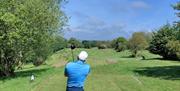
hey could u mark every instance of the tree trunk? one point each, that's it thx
(7, 73)
(134, 53)
(7, 68)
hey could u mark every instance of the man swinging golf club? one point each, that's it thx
(77, 72)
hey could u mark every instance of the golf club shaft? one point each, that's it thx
(72, 54)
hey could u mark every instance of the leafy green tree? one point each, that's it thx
(26, 27)
(166, 41)
(58, 43)
(177, 7)
(159, 44)
(137, 42)
(74, 41)
(173, 47)
(119, 44)
(148, 36)
(87, 44)
(103, 44)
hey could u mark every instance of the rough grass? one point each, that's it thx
(110, 71)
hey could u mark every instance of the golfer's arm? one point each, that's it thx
(65, 75)
(65, 72)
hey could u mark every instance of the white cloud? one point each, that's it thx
(95, 28)
(139, 5)
(94, 24)
(128, 6)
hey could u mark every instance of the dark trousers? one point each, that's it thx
(74, 89)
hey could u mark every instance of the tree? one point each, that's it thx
(173, 47)
(58, 43)
(177, 7)
(160, 41)
(103, 44)
(166, 41)
(137, 42)
(26, 27)
(119, 44)
(74, 41)
(87, 44)
(148, 36)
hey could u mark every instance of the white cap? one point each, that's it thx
(83, 55)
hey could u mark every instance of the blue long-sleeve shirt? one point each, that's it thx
(76, 72)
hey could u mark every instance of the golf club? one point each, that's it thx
(72, 48)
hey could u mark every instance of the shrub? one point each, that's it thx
(174, 49)
(119, 44)
(102, 46)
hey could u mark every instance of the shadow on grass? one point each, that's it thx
(25, 73)
(30, 72)
(129, 56)
(153, 59)
(163, 72)
(162, 59)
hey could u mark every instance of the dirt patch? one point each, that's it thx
(60, 64)
(111, 61)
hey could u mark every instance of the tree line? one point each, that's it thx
(138, 41)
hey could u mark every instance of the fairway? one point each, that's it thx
(110, 71)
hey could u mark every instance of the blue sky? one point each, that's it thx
(109, 19)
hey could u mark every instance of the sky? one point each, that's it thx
(109, 19)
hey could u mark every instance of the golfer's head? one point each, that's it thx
(83, 55)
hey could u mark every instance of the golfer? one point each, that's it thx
(77, 72)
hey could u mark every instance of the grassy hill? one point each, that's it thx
(110, 71)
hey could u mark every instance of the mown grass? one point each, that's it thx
(110, 71)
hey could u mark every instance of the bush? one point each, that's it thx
(102, 46)
(174, 49)
(38, 61)
(119, 44)
(121, 48)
